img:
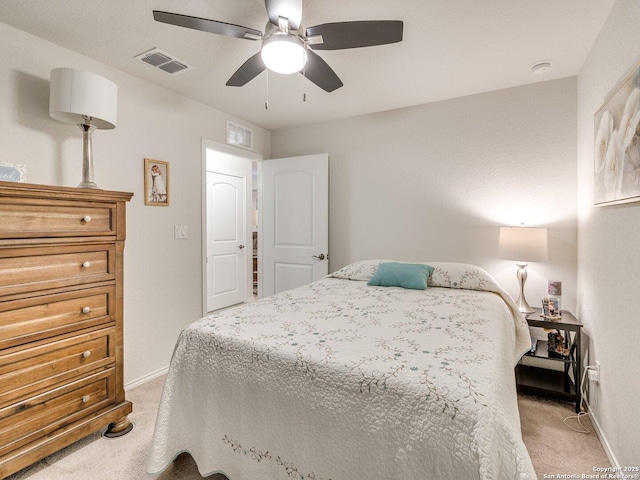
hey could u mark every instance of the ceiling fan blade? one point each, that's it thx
(367, 33)
(205, 25)
(247, 72)
(291, 9)
(320, 73)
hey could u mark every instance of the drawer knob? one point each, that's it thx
(86, 354)
(85, 398)
(86, 264)
(86, 219)
(86, 309)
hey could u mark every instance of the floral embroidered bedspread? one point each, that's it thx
(338, 380)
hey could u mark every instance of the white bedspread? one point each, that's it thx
(338, 380)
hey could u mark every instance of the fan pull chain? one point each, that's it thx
(304, 84)
(266, 102)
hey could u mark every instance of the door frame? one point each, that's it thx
(246, 154)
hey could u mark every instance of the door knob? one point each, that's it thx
(319, 257)
(241, 247)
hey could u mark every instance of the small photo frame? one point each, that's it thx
(156, 183)
(13, 172)
(550, 307)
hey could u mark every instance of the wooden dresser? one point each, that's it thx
(61, 319)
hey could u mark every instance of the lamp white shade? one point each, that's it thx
(76, 94)
(523, 244)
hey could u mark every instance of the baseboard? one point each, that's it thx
(146, 378)
(603, 440)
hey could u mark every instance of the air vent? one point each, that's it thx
(162, 60)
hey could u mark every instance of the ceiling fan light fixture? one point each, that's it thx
(287, 47)
(284, 53)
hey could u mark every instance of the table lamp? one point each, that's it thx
(88, 100)
(523, 244)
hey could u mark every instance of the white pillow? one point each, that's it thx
(362, 270)
(461, 275)
(445, 274)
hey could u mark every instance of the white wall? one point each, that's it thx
(609, 248)
(163, 276)
(435, 182)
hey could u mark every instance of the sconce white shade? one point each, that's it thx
(75, 94)
(523, 244)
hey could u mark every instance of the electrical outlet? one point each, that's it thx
(594, 373)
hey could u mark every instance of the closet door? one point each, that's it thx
(227, 247)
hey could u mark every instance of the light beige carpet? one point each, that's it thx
(553, 447)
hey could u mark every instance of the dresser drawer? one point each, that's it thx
(24, 372)
(40, 415)
(55, 219)
(41, 268)
(36, 318)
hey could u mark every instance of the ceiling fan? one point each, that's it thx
(285, 49)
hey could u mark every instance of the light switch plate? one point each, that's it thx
(180, 231)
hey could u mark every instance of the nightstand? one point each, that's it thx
(563, 383)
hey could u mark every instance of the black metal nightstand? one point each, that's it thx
(555, 383)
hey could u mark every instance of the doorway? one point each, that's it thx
(266, 224)
(230, 203)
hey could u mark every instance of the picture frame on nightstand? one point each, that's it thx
(551, 308)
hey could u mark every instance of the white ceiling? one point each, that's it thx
(451, 48)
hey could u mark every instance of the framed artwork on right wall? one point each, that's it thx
(617, 145)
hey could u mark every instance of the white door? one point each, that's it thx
(295, 222)
(226, 240)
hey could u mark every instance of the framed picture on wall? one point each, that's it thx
(156, 182)
(617, 144)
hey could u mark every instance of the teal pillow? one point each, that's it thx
(405, 275)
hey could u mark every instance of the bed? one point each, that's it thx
(339, 380)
